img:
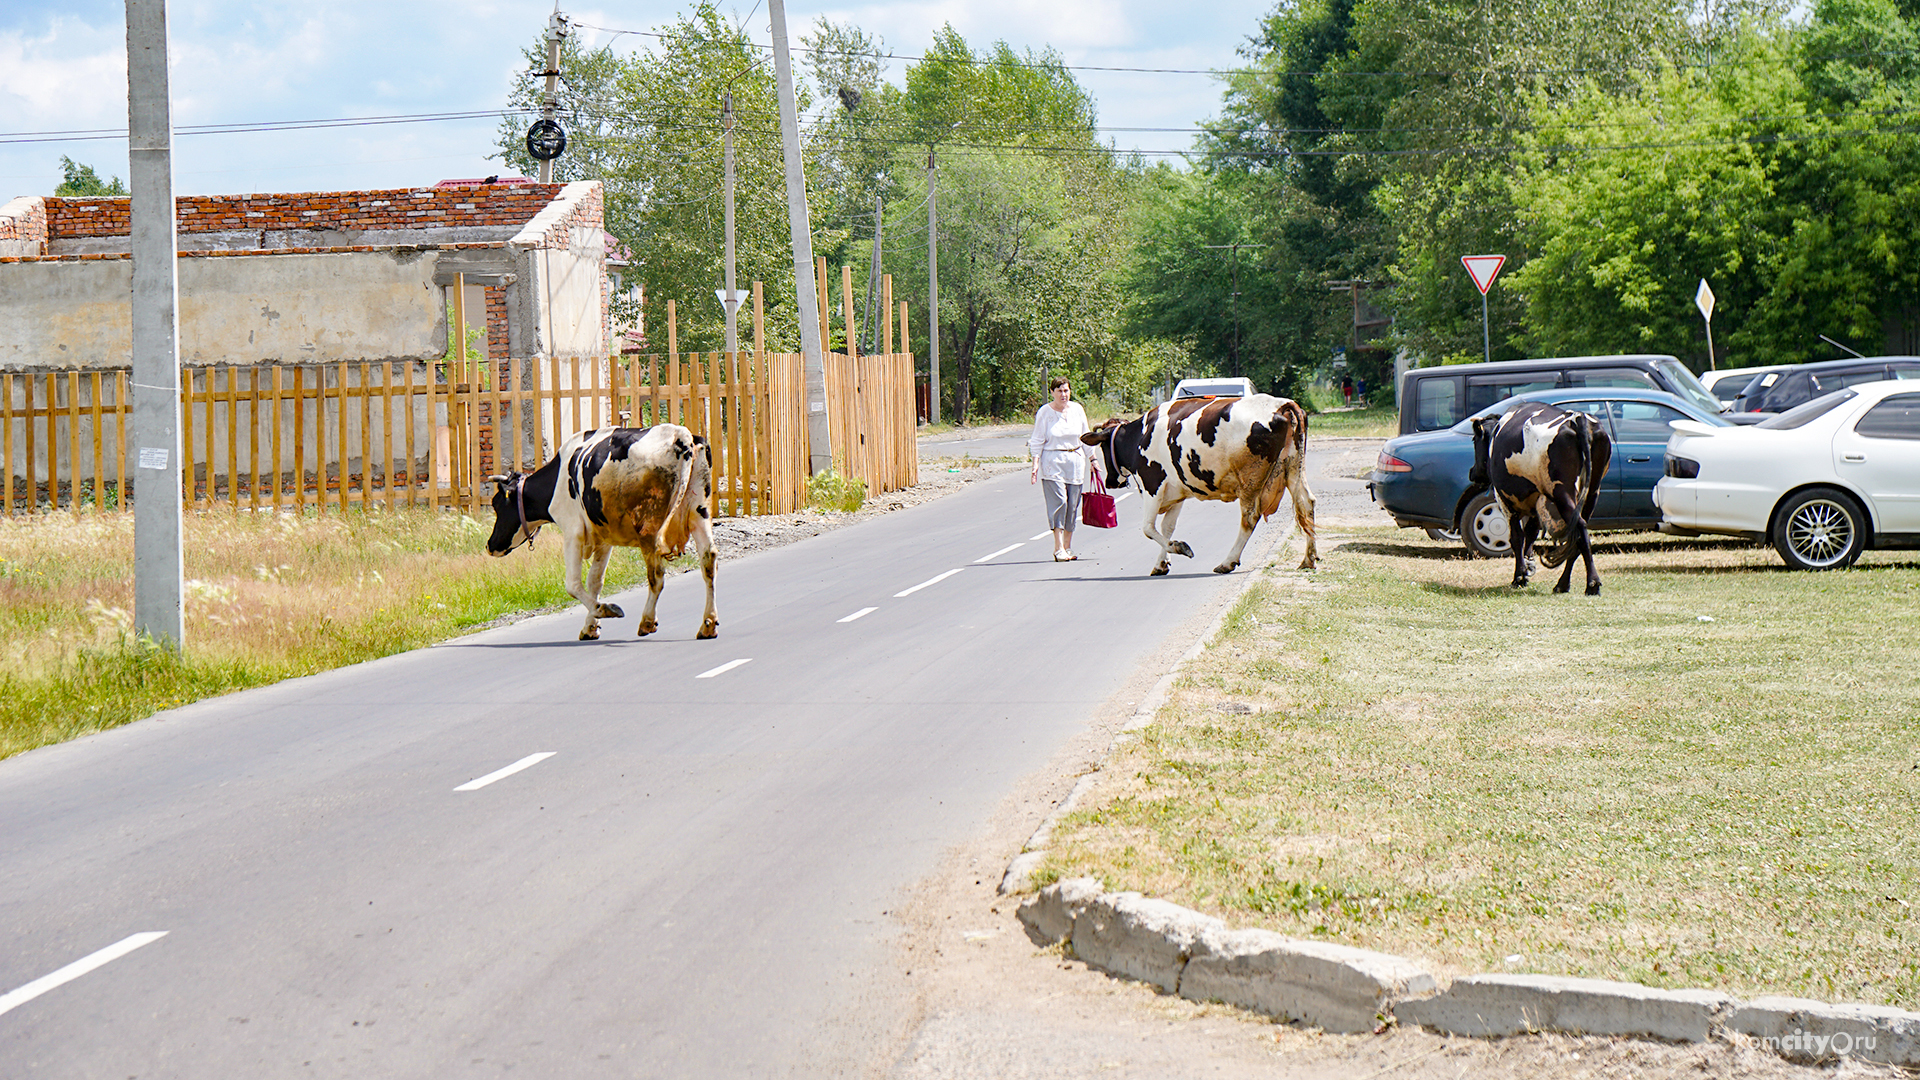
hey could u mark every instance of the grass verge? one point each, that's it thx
(268, 597)
(1706, 777)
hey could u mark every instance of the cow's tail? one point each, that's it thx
(688, 449)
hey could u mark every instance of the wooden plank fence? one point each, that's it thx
(339, 436)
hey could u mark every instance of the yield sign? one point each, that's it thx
(1483, 269)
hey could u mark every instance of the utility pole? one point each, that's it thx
(873, 280)
(556, 29)
(819, 444)
(732, 300)
(1233, 356)
(158, 611)
(933, 299)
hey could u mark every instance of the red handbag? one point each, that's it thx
(1096, 506)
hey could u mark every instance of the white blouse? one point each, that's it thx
(1056, 439)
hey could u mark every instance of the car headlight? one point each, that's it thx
(1682, 468)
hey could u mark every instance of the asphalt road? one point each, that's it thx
(696, 881)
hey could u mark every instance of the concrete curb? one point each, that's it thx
(1349, 990)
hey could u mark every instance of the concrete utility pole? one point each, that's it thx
(556, 29)
(819, 445)
(1233, 359)
(933, 299)
(157, 607)
(732, 299)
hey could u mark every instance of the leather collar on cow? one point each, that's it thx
(517, 483)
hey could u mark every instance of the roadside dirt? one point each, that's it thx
(985, 1002)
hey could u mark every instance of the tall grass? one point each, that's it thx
(268, 596)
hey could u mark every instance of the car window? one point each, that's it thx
(1855, 378)
(1684, 385)
(1792, 391)
(1439, 403)
(1484, 390)
(1632, 378)
(1906, 373)
(1809, 412)
(1643, 421)
(1896, 417)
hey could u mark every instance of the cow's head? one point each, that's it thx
(1118, 451)
(1481, 473)
(510, 526)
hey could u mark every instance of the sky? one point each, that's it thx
(63, 76)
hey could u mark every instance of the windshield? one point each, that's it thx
(1687, 388)
(1801, 415)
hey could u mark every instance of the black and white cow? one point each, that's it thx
(1249, 449)
(615, 487)
(1545, 465)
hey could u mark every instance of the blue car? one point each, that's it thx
(1421, 479)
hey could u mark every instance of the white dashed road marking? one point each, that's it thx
(1002, 551)
(14, 998)
(861, 612)
(1042, 536)
(501, 774)
(724, 668)
(930, 581)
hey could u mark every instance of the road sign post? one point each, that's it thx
(1703, 299)
(1483, 269)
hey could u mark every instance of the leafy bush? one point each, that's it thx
(828, 490)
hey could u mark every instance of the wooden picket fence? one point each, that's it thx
(405, 434)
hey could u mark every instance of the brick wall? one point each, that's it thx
(27, 225)
(402, 208)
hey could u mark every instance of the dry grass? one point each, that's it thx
(1706, 777)
(268, 597)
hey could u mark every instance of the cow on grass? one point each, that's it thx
(1545, 465)
(615, 487)
(1247, 449)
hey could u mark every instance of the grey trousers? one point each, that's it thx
(1063, 504)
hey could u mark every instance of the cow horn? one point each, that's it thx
(498, 479)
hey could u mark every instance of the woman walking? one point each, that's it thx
(1060, 463)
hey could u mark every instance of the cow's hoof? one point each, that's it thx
(1307, 564)
(1562, 589)
(591, 633)
(1593, 589)
(1226, 568)
(1179, 547)
(708, 630)
(1159, 571)
(610, 611)
(647, 627)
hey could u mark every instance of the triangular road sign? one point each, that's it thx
(1483, 269)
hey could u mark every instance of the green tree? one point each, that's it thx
(81, 181)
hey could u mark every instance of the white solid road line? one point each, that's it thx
(1002, 551)
(526, 762)
(15, 998)
(723, 668)
(930, 581)
(858, 614)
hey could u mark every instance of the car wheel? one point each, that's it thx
(1820, 529)
(1445, 535)
(1483, 525)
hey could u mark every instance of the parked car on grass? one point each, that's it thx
(1726, 383)
(1436, 398)
(1421, 479)
(1821, 482)
(1778, 391)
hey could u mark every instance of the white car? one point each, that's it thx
(1822, 482)
(1216, 387)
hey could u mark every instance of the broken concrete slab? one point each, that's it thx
(1335, 987)
(1048, 915)
(1514, 1004)
(1149, 940)
(1814, 1031)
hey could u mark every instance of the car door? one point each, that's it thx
(1640, 434)
(1607, 505)
(1879, 454)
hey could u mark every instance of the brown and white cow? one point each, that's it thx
(1545, 465)
(1249, 449)
(615, 487)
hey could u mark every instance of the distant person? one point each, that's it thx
(1346, 388)
(1060, 463)
(1360, 392)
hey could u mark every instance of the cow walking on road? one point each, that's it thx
(615, 487)
(1545, 465)
(1250, 449)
